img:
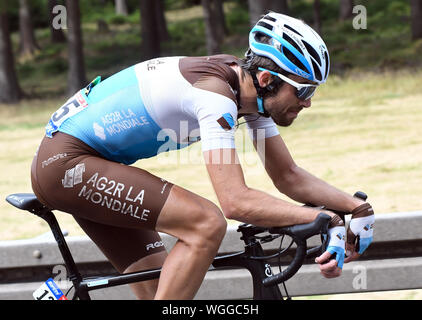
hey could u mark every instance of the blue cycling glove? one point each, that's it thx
(336, 243)
(361, 228)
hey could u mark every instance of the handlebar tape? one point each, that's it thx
(299, 234)
(291, 270)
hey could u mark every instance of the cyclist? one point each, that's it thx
(83, 165)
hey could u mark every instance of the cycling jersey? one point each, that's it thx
(157, 106)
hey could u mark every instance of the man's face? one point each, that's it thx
(285, 106)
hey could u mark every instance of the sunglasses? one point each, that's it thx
(303, 91)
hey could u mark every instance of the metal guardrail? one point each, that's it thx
(392, 262)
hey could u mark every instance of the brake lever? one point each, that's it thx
(310, 253)
(318, 250)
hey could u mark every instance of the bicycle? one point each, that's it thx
(253, 257)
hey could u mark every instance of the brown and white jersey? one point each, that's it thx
(196, 98)
(159, 105)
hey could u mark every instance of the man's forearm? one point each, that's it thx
(262, 209)
(303, 187)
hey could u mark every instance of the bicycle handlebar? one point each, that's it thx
(299, 233)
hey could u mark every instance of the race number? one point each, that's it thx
(49, 291)
(72, 106)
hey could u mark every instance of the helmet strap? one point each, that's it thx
(261, 92)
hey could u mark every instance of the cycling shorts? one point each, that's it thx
(115, 204)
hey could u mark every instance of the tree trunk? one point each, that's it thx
(255, 11)
(213, 28)
(28, 44)
(161, 20)
(346, 9)
(259, 8)
(317, 16)
(279, 6)
(149, 30)
(220, 20)
(416, 14)
(10, 91)
(121, 7)
(102, 27)
(57, 35)
(76, 75)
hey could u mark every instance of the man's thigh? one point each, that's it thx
(124, 246)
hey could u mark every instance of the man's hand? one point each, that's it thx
(360, 231)
(330, 267)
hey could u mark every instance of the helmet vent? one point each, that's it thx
(327, 64)
(317, 73)
(265, 25)
(268, 17)
(291, 29)
(293, 43)
(289, 55)
(312, 52)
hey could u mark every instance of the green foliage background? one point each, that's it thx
(385, 44)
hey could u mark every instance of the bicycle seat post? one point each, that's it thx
(29, 202)
(73, 272)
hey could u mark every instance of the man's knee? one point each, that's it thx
(192, 219)
(210, 226)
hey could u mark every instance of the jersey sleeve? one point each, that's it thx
(260, 127)
(216, 115)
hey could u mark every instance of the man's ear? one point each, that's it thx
(264, 78)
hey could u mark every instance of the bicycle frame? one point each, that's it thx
(259, 269)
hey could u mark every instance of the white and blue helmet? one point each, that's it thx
(294, 46)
